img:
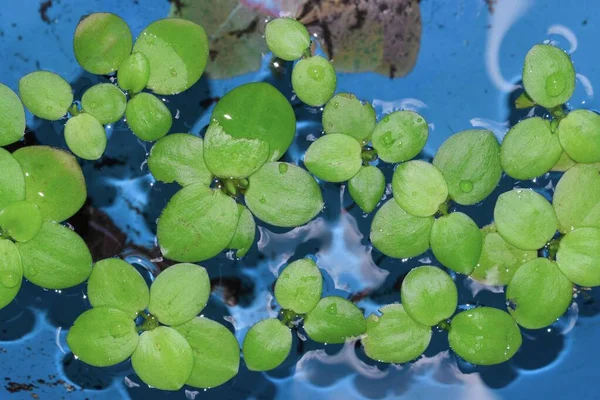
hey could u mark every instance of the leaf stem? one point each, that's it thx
(150, 322)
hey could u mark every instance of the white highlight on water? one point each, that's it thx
(587, 85)
(565, 32)
(506, 13)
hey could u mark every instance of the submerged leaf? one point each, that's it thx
(363, 35)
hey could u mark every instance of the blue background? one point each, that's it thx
(468, 61)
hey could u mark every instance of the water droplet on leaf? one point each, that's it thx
(555, 84)
(316, 73)
(283, 168)
(9, 279)
(332, 309)
(466, 186)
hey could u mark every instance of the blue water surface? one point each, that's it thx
(469, 63)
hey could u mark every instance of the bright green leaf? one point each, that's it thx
(103, 337)
(367, 187)
(134, 73)
(216, 352)
(266, 345)
(177, 50)
(579, 134)
(525, 219)
(258, 111)
(346, 114)
(12, 179)
(11, 272)
(429, 295)
(229, 157)
(334, 158)
(577, 198)
(484, 336)
(530, 149)
(299, 286)
(538, 294)
(470, 162)
(104, 101)
(85, 137)
(314, 80)
(56, 258)
(334, 320)
(163, 359)
(287, 38)
(578, 256)
(398, 234)
(400, 136)
(179, 293)
(20, 220)
(394, 337)
(53, 181)
(46, 94)
(283, 194)
(12, 117)
(197, 224)
(148, 117)
(419, 188)
(101, 42)
(179, 158)
(117, 284)
(456, 242)
(243, 238)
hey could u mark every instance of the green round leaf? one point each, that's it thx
(564, 163)
(46, 94)
(548, 75)
(179, 158)
(266, 345)
(529, 149)
(579, 134)
(101, 42)
(85, 137)
(20, 220)
(367, 187)
(456, 242)
(525, 219)
(470, 162)
(216, 352)
(400, 136)
(334, 158)
(56, 258)
(314, 80)
(398, 234)
(258, 111)
(484, 336)
(499, 259)
(116, 284)
(103, 337)
(177, 50)
(197, 224)
(229, 157)
(12, 179)
(287, 38)
(12, 117)
(163, 359)
(104, 101)
(344, 113)
(53, 181)
(243, 238)
(394, 337)
(134, 73)
(419, 188)
(148, 117)
(283, 194)
(299, 286)
(577, 198)
(429, 295)
(334, 320)
(578, 256)
(11, 272)
(538, 294)
(166, 300)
